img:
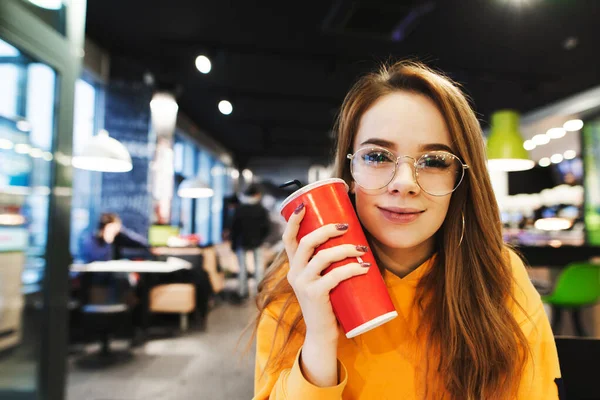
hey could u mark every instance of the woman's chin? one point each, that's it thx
(398, 241)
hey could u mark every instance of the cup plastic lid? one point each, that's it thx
(310, 187)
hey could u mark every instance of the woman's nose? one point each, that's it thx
(404, 180)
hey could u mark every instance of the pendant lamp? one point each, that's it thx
(104, 154)
(505, 150)
(194, 188)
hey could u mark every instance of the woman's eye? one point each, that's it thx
(376, 158)
(434, 162)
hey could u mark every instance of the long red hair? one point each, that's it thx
(465, 298)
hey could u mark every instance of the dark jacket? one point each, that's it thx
(250, 226)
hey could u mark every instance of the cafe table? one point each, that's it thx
(144, 268)
(172, 264)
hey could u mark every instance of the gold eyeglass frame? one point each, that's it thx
(414, 164)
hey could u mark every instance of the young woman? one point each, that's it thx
(470, 325)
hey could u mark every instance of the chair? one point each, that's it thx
(217, 278)
(177, 298)
(578, 286)
(105, 315)
(578, 359)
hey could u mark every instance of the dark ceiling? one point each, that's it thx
(286, 66)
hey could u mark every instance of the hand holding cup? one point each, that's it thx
(305, 275)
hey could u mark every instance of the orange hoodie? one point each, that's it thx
(384, 362)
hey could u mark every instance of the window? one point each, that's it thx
(201, 216)
(86, 184)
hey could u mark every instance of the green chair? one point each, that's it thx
(578, 286)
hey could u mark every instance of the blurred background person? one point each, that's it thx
(249, 229)
(105, 244)
(230, 204)
(108, 241)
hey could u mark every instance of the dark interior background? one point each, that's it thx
(286, 66)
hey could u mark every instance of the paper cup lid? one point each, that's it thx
(372, 324)
(308, 188)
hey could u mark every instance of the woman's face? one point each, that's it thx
(401, 215)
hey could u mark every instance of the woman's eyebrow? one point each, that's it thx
(435, 146)
(380, 142)
(392, 145)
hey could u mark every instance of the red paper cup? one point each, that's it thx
(362, 302)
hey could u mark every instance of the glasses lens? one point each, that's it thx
(373, 168)
(439, 173)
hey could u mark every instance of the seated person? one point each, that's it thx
(108, 241)
(107, 244)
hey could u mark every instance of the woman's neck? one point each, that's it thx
(402, 261)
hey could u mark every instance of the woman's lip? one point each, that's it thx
(400, 218)
(401, 210)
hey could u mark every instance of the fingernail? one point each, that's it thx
(362, 248)
(299, 208)
(365, 264)
(341, 227)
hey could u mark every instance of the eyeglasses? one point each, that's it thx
(437, 173)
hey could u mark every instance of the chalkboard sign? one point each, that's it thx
(127, 119)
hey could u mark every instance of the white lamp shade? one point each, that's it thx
(194, 188)
(164, 109)
(104, 154)
(48, 4)
(510, 164)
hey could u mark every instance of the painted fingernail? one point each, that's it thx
(341, 227)
(362, 248)
(365, 264)
(299, 208)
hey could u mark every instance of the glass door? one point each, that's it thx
(28, 106)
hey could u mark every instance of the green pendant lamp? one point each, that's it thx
(505, 144)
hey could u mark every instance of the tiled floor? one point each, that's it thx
(196, 366)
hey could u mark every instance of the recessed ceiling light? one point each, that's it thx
(540, 139)
(570, 43)
(570, 154)
(247, 174)
(556, 133)
(203, 64)
(573, 125)
(544, 162)
(225, 107)
(556, 158)
(148, 78)
(529, 145)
